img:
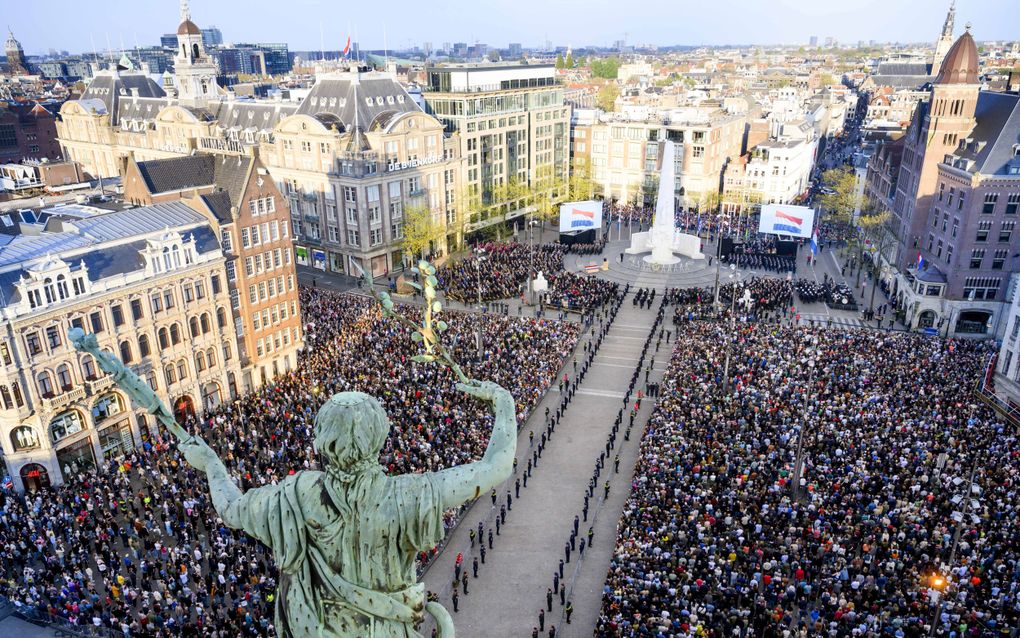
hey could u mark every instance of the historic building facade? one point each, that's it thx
(252, 221)
(349, 159)
(151, 284)
(956, 203)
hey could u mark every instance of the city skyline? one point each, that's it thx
(793, 22)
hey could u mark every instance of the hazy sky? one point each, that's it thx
(74, 25)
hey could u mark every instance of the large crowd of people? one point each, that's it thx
(715, 542)
(500, 271)
(136, 548)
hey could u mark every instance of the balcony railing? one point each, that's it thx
(59, 401)
(97, 386)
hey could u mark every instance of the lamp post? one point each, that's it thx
(531, 267)
(798, 466)
(718, 261)
(938, 582)
(733, 328)
(479, 258)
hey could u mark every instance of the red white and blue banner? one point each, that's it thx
(792, 221)
(580, 216)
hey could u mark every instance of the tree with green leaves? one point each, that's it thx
(420, 230)
(875, 231)
(606, 98)
(844, 199)
(569, 62)
(559, 61)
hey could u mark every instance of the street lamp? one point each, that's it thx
(798, 467)
(531, 269)
(938, 584)
(479, 258)
(733, 328)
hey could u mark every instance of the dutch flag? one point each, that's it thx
(920, 261)
(814, 242)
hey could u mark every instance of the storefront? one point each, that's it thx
(116, 439)
(76, 457)
(34, 477)
(301, 255)
(336, 263)
(319, 259)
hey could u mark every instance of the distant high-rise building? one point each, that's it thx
(15, 55)
(446, 48)
(168, 40)
(813, 41)
(514, 50)
(212, 36)
(427, 48)
(829, 41)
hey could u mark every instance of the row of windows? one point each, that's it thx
(263, 233)
(273, 315)
(51, 290)
(276, 341)
(269, 289)
(267, 261)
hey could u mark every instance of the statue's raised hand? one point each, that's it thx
(484, 390)
(198, 454)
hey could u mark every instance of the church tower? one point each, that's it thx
(15, 55)
(196, 72)
(945, 41)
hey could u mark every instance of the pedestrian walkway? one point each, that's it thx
(518, 570)
(831, 321)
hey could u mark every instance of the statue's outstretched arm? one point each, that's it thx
(222, 488)
(465, 482)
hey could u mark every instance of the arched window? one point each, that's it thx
(164, 339)
(168, 372)
(193, 326)
(49, 290)
(62, 287)
(182, 369)
(45, 384)
(175, 333)
(194, 50)
(125, 352)
(64, 377)
(106, 406)
(166, 258)
(177, 256)
(210, 358)
(24, 437)
(88, 368)
(206, 324)
(184, 49)
(199, 363)
(143, 346)
(221, 317)
(19, 399)
(66, 424)
(5, 396)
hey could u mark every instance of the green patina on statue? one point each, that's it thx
(344, 538)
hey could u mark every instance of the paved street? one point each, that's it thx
(520, 567)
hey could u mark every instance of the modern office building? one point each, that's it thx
(512, 122)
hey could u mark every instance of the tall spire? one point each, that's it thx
(947, 28)
(185, 11)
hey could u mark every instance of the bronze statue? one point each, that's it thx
(344, 538)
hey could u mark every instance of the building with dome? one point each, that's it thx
(15, 55)
(349, 159)
(957, 202)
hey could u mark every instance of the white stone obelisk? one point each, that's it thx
(663, 232)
